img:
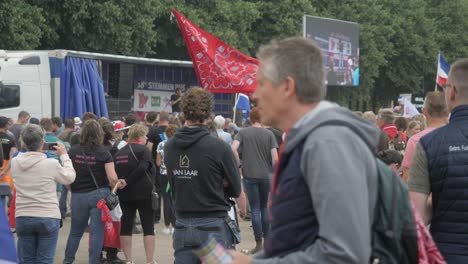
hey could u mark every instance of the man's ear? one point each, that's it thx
(289, 87)
(424, 111)
(453, 93)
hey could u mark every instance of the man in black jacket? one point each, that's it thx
(203, 174)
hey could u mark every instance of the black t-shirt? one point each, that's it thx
(155, 136)
(176, 106)
(7, 142)
(75, 139)
(112, 147)
(134, 172)
(96, 158)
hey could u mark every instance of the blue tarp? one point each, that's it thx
(81, 89)
(55, 67)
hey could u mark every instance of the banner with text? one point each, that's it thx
(146, 101)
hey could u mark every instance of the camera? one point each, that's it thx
(51, 145)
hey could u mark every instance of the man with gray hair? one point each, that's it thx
(439, 166)
(324, 188)
(219, 122)
(386, 122)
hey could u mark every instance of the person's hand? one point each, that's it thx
(2, 175)
(122, 184)
(60, 148)
(239, 258)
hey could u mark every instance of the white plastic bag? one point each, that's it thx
(116, 213)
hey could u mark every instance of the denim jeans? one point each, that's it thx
(257, 191)
(191, 233)
(63, 202)
(37, 239)
(83, 207)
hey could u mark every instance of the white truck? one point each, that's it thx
(62, 83)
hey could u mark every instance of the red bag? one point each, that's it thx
(428, 252)
(112, 234)
(111, 228)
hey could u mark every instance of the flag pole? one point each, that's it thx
(236, 100)
(438, 61)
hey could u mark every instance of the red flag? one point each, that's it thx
(220, 68)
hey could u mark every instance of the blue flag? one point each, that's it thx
(243, 104)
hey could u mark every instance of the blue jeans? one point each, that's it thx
(83, 207)
(191, 233)
(257, 191)
(37, 239)
(63, 202)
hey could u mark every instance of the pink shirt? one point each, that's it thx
(411, 146)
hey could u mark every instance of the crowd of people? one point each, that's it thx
(303, 171)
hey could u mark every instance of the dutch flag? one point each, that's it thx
(443, 69)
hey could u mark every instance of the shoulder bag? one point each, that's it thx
(112, 200)
(154, 194)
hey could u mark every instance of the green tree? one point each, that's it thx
(230, 21)
(414, 54)
(21, 25)
(279, 19)
(121, 27)
(242, 24)
(451, 27)
(399, 39)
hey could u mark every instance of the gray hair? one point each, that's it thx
(32, 137)
(387, 116)
(300, 59)
(219, 122)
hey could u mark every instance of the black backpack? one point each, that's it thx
(394, 238)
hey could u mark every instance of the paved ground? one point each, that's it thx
(164, 252)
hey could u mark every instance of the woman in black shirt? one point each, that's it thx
(95, 173)
(133, 164)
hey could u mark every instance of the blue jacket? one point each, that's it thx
(447, 155)
(299, 229)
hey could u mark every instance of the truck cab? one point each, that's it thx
(25, 83)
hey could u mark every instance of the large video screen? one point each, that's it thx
(339, 41)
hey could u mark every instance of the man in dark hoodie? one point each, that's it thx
(203, 174)
(324, 189)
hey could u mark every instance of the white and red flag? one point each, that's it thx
(220, 68)
(443, 69)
